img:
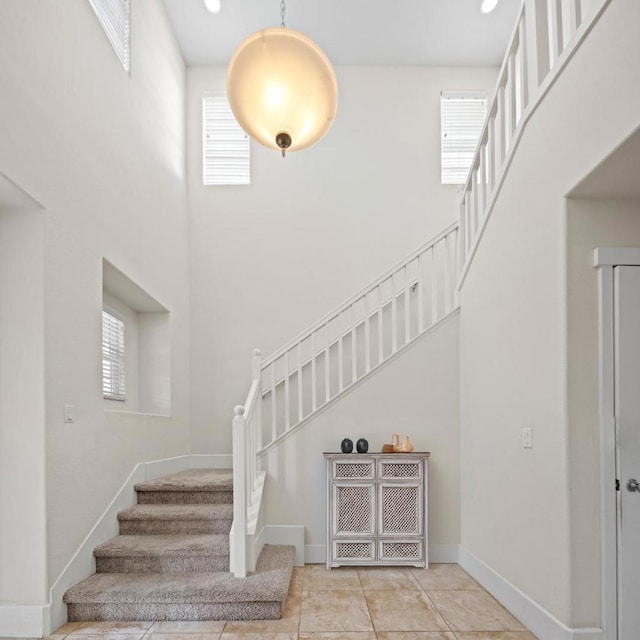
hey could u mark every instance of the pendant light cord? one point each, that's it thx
(282, 12)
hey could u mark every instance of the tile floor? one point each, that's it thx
(439, 603)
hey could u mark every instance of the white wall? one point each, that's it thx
(103, 151)
(312, 229)
(591, 223)
(415, 394)
(517, 504)
(23, 560)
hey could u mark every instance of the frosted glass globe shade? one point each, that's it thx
(213, 5)
(282, 89)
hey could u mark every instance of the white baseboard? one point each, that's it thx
(542, 623)
(82, 563)
(24, 620)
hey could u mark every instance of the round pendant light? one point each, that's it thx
(282, 89)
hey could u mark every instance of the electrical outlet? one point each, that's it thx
(527, 441)
(69, 413)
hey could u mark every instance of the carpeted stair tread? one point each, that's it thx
(159, 512)
(269, 583)
(164, 545)
(191, 480)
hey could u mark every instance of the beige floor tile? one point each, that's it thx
(338, 635)
(286, 625)
(496, 635)
(416, 635)
(336, 579)
(204, 626)
(213, 635)
(107, 635)
(443, 577)
(387, 579)
(259, 636)
(66, 628)
(403, 611)
(334, 611)
(295, 586)
(101, 628)
(473, 611)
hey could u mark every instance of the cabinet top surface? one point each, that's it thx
(377, 454)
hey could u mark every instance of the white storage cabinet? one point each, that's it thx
(377, 509)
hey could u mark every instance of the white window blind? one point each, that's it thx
(114, 16)
(225, 146)
(462, 116)
(113, 377)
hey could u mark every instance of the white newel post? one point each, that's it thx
(239, 495)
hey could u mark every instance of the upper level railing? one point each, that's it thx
(546, 34)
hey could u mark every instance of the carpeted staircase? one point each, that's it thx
(171, 559)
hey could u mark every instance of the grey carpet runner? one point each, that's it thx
(171, 559)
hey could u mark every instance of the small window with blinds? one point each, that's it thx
(113, 376)
(114, 16)
(462, 116)
(225, 146)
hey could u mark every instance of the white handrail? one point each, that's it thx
(357, 296)
(543, 40)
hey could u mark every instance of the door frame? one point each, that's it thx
(605, 259)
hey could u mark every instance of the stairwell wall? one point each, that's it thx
(269, 259)
(103, 151)
(523, 515)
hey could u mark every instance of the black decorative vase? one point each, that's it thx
(346, 445)
(362, 446)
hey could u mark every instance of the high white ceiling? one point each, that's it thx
(362, 32)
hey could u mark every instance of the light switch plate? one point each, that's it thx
(527, 440)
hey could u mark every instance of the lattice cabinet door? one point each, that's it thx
(354, 509)
(400, 509)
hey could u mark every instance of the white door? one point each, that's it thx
(627, 414)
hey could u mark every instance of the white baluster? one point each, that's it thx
(555, 26)
(256, 374)
(434, 286)
(314, 391)
(367, 334)
(524, 80)
(536, 21)
(340, 357)
(327, 372)
(287, 396)
(421, 292)
(394, 315)
(380, 326)
(447, 276)
(300, 405)
(274, 415)
(502, 126)
(354, 355)
(512, 86)
(407, 306)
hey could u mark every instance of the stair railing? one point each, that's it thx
(545, 36)
(246, 473)
(357, 337)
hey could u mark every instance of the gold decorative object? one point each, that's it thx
(405, 446)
